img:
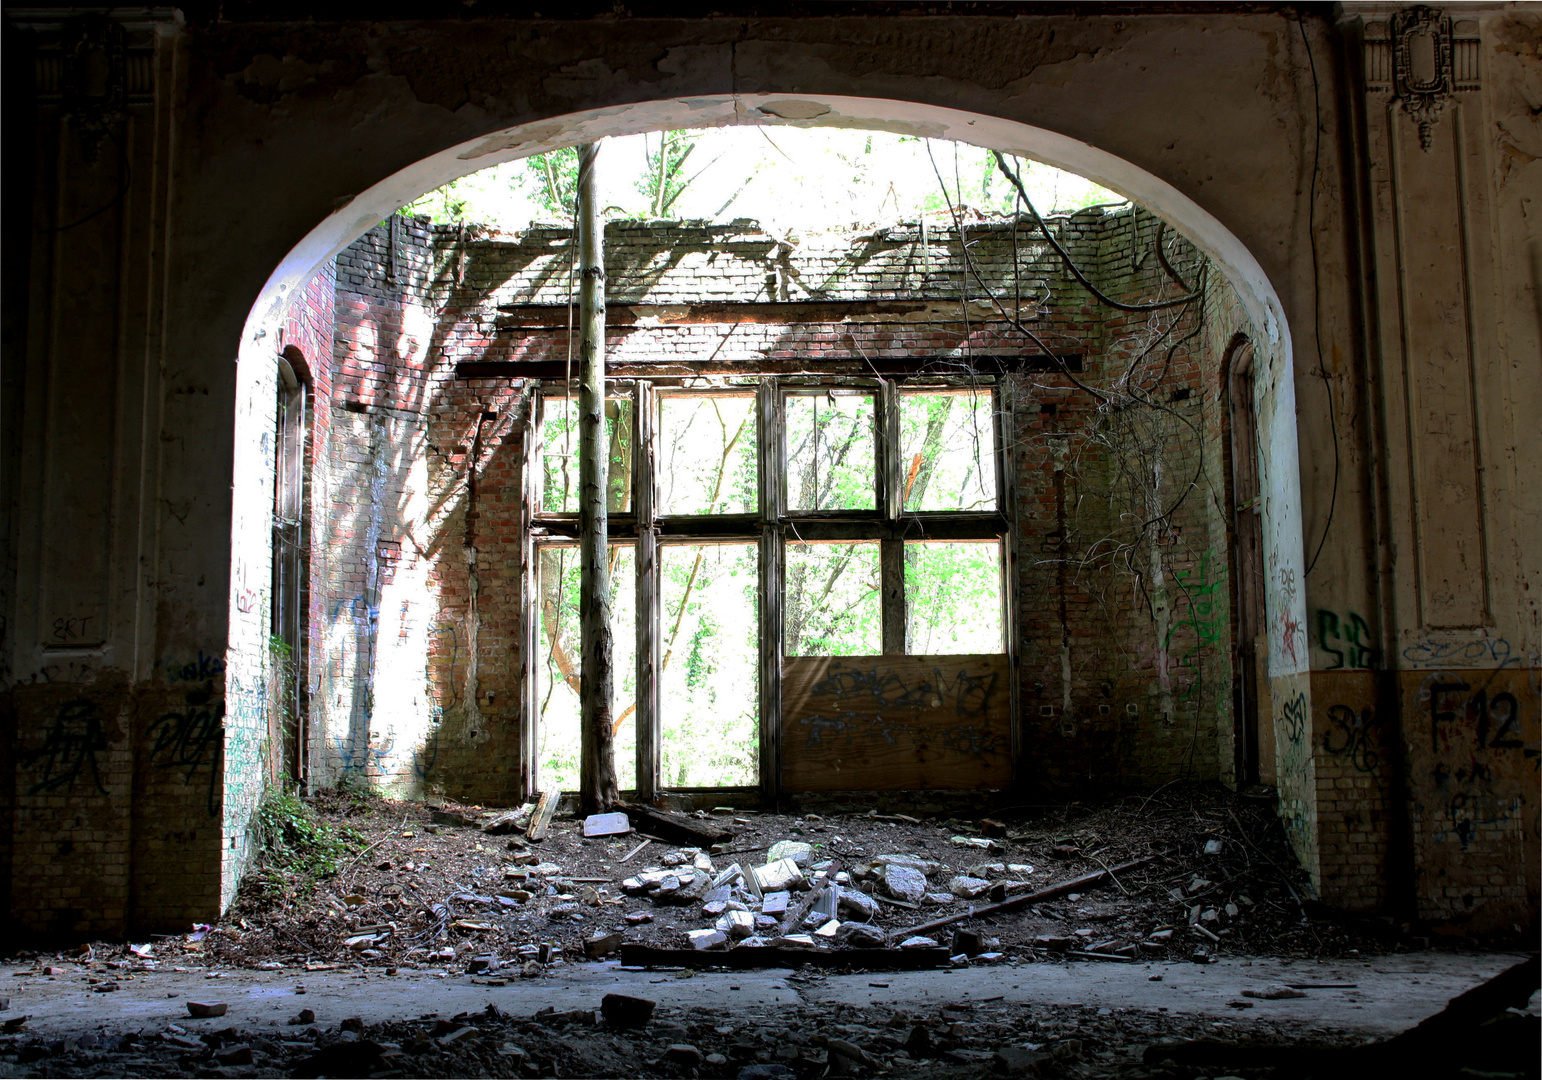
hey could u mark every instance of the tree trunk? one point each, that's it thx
(597, 767)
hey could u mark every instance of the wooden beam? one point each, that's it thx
(730, 312)
(597, 787)
(1086, 881)
(901, 367)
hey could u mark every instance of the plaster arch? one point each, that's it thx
(1269, 330)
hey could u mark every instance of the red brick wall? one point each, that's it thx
(395, 406)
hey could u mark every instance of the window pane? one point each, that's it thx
(709, 689)
(830, 451)
(559, 664)
(833, 594)
(559, 455)
(953, 598)
(947, 450)
(707, 455)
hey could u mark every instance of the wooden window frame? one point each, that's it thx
(769, 527)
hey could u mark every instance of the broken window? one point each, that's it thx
(831, 459)
(560, 664)
(833, 594)
(709, 700)
(953, 601)
(948, 450)
(869, 510)
(707, 454)
(559, 455)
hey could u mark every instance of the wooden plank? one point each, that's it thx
(540, 820)
(1086, 881)
(898, 367)
(636, 955)
(887, 723)
(672, 828)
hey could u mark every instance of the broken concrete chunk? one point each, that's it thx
(860, 935)
(796, 850)
(1196, 884)
(857, 904)
(795, 941)
(1019, 1061)
(1160, 935)
(706, 939)
(914, 862)
(829, 929)
(607, 825)
(1213, 847)
(602, 944)
(683, 1054)
(779, 875)
(938, 898)
(733, 873)
(968, 888)
(904, 883)
(775, 903)
(636, 917)
(480, 964)
(623, 1010)
(205, 1010)
(988, 870)
(918, 942)
(1274, 992)
(737, 924)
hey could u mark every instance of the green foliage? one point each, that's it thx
(554, 179)
(297, 847)
(665, 181)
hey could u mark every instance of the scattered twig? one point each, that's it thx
(636, 849)
(389, 833)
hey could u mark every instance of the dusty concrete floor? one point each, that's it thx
(1390, 993)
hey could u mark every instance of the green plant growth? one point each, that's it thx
(296, 846)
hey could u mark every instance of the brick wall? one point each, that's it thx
(420, 644)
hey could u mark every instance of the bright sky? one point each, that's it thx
(805, 179)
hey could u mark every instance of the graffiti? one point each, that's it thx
(819, 726)
(1204, 617)
(71, 671)
(1493, 718)
(1353, 633)
(1289, 628)
(423, 760)
(368, 760)
(247, 598)
(1486, 652)
(70, 629)
(1351, 736)
(1294, 716)
(202, 669)
(968, 694)
(73, 742)
(968, 739)
(192, 738)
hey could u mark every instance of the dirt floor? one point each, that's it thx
(428, 893)
(1222, 865)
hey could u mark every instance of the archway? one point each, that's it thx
(1273, 388)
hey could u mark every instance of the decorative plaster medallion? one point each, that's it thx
(1421, 65)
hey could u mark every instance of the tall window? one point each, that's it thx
(868, 512)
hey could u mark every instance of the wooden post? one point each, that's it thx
(597, 766)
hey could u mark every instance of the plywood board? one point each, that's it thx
(895, 723)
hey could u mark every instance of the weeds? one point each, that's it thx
(297, 848)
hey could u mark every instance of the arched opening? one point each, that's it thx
(502, 425)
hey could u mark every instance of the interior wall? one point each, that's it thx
(1126, 681)
(1290, 149)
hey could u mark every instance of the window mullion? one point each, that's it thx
(891, 551)
(529, 581)
(644, 493)
(771, 451)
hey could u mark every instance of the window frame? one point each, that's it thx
(772, 527)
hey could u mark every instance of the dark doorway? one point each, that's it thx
(1254, 759)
